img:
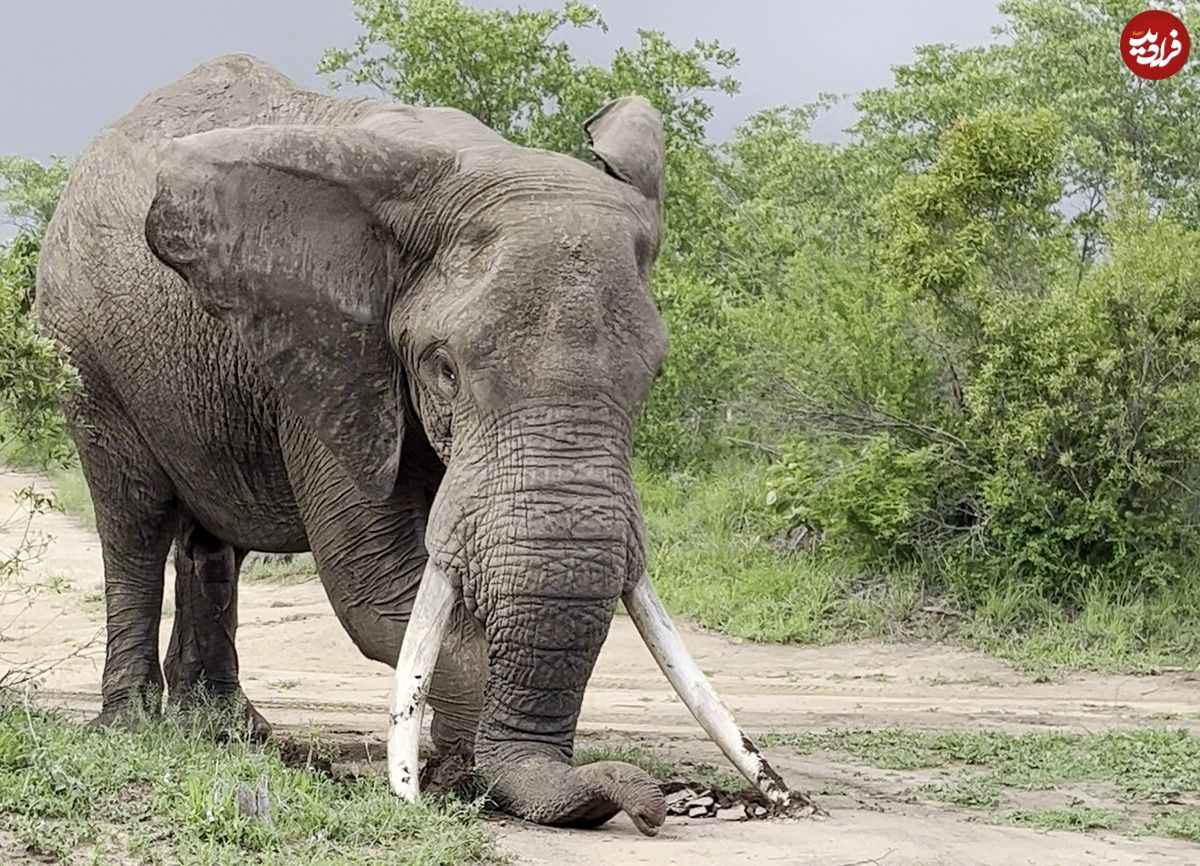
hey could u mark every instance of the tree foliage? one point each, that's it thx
(33, 375)
(29, 190)
(514, 71)
(1030, 276)
(1056, 56)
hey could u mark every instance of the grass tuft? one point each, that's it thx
(1070, 818)
(1152, 769)
(299, 569)
(116, 793)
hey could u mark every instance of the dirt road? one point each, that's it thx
(300, 669)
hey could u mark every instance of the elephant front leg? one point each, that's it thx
(370, 555)
(201, 666)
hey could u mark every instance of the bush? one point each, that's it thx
(684, 423)
(33, 374)
(1043, 428)
(1085, 414)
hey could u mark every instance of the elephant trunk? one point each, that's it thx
(540, 539)
(556, 544)
(544, 639)
(546, 791)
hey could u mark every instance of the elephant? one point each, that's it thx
(387, 335)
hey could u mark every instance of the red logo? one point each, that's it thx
(1155, 44)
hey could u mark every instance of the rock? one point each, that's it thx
(792, 540)
(255, 802)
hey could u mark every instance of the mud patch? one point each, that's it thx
(451, 775)
(696, 800)
(300, 755)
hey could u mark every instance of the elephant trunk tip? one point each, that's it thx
(548, 792)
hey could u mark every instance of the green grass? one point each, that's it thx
(71, 492)
(640, 756)
(93, 602)
(1150, 771)
(1141, 635)
(301, 570)
(973, 680)
(711, 560)
(55, 459)
(161, 794)
(1070, 818)
(1180, 824)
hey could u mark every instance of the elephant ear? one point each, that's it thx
(274, 229)
(627, 137)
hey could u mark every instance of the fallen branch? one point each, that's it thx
(871, 862)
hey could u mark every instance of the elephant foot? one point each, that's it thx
(133, 710)
(227, 715)
(124, 717)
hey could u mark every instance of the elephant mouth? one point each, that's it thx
(422, 642)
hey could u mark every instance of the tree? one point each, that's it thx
(33, 373)
(513, 71)
(29, 191)
(1059, 56)
(980, 221)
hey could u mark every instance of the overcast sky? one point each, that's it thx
(68, 67)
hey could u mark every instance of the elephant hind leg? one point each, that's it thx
(202, 663)
(136, 513)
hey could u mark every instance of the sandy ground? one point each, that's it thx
(301, 669)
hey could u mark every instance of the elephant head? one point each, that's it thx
(412, 273)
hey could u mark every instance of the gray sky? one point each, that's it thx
(68, 67)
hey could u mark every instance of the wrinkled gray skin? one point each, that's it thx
(371, 331)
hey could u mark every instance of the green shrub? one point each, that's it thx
(1043, 427)
(685, 417)
(1087, 412)
(33, 374)
(880, 499)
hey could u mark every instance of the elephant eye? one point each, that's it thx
(445, 376)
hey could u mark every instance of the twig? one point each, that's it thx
(871, 862)
(941, 611)
(29, 720)
(30, 674)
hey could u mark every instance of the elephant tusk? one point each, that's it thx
(414, 670)
(698, 695)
